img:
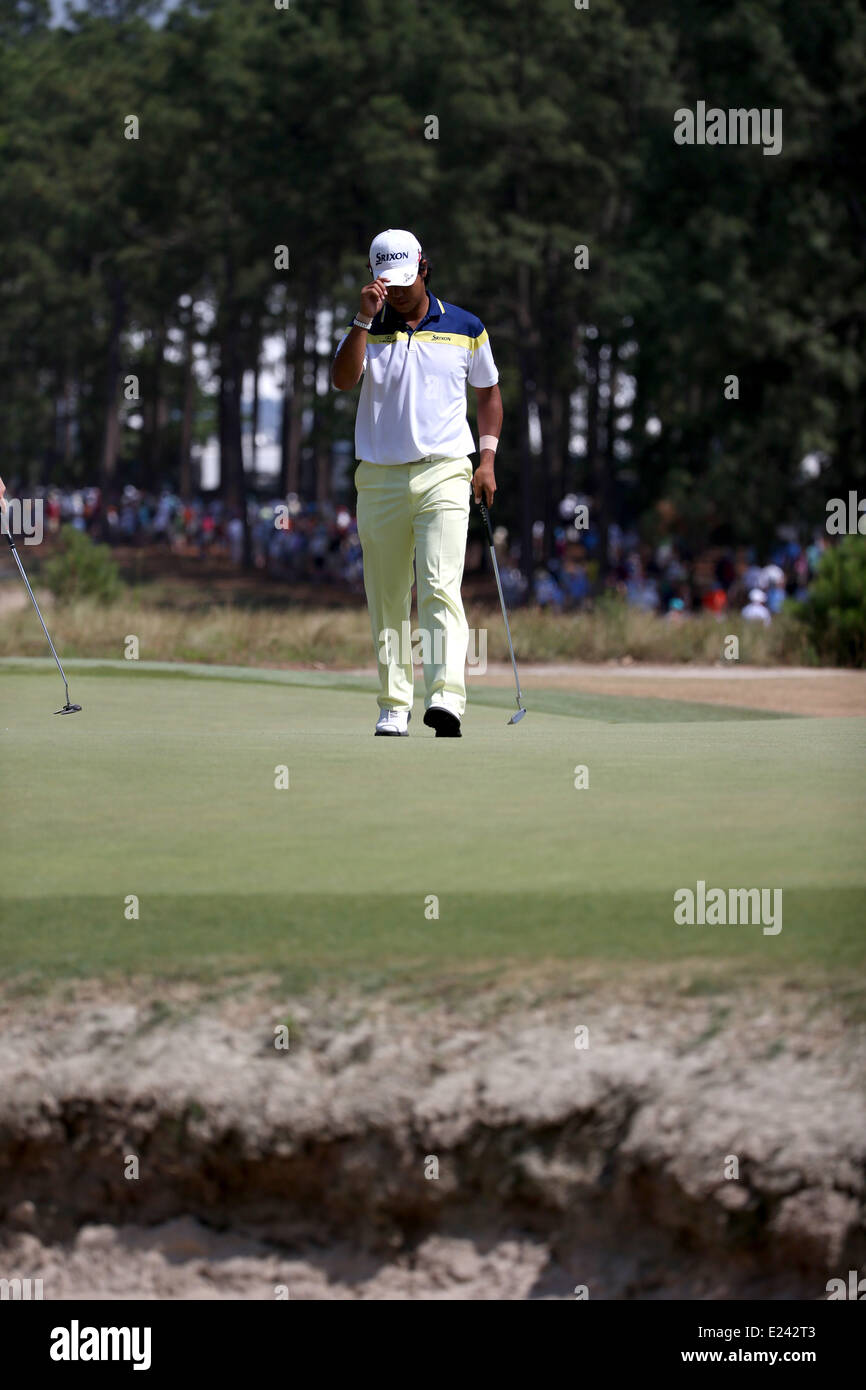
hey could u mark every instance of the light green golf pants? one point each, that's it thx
(418, 510)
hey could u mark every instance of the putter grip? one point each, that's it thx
(485, 514)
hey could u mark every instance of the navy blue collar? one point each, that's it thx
(391, 322)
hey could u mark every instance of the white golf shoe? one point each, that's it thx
(393, 723)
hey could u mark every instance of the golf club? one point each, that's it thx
(68, 708)
(520, 711)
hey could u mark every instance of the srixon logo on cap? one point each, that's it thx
(391, 256)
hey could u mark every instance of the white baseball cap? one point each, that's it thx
(395, 255)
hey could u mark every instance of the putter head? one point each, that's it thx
(517, 715)
(69, 709)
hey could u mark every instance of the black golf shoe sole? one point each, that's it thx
(446, 724)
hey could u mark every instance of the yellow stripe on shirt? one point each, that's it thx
(431, 335)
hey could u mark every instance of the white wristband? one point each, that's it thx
(488, 441)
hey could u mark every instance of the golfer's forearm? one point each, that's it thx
(490, 413)
(349, 361)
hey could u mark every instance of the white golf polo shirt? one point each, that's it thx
(413, 395)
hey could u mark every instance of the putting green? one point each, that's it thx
(164, 788)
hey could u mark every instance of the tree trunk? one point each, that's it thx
(152, 413)
(52, 452)
(232, 475)
(527, 368)
(549, 351)
(68, 398)
(256, 371)
(608, 440)
(293, 400)
(185, 470)
(554, 487)
(111, 431)
(595, 456)
(321, 443)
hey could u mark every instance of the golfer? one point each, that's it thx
(412, 441)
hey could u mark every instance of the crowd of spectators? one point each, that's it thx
(289, 539)
(306, 542)
(667, 579)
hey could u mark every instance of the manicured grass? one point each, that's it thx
(163, 787)
(575, 704)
